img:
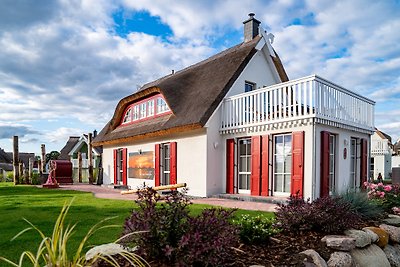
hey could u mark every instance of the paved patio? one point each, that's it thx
(110, 193)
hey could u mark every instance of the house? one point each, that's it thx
(80, 144)
(381, 155)
(234, 123)
(396, 154)
(5, 164)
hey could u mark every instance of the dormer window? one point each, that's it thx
(161, 105)
(127, 117)
(249, 86)
(148, 108)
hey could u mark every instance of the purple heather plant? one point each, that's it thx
(327, 214)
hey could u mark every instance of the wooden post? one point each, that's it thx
(30, 168)
(40, 167)
(90, 155)
(21, 172)
(79, 167)
(43, 166)
(15, 159)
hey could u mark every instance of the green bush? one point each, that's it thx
(256, 230)
(368, 209)
(10, 177)
(35, 178)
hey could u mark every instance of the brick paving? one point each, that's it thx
(111, 193)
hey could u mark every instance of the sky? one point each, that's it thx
(65, 64)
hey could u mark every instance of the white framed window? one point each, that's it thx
(282, 163)
(150, 108)
(161, 106)
(249, 86)
(244, 165)
(135, 113)
(127, 117)
(165, 164)
(332, 163)
(143, 110)
(353, 162)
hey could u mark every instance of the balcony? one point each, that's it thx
(380, 147)
(304, 98)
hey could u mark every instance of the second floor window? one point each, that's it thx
(127, 117)
(249, 86)
(161, 106)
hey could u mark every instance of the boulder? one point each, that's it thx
(340, 259)
(393, 255)
(392, 220)
(393, 231)
(317, 259)
(339, 242)
(382, 234)
(362, 238)
(374, 237)
(371, 256)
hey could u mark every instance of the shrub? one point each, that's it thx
(326, 214)
(256, 230)
(163, 223)
(208, 239)
(387, 195)
(53, 250)
(170, 235)
(10, 177)
(35, 178)
(367, 209)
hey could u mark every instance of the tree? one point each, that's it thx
(52, 155)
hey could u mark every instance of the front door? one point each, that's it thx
(244, 165)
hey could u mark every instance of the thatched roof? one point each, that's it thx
(192, 94)
(68, 146)
(5, 157)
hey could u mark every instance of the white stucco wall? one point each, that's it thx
(342, 167)
(396, 161)
(191, 160)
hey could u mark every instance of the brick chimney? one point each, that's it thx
(251, 28)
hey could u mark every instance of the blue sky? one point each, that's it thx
(64, 65)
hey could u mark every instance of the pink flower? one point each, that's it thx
(382, 194)
(387, 188)
(380, 184)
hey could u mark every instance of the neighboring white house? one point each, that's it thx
(381, 155)
(74, 145)
(234, 123)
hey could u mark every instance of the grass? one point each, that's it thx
(42, 207)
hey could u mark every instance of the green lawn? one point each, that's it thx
(42, 206)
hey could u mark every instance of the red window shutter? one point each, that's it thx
(157, 165)
(255, 179)
(173, 153)
(364, 161)
(324, 164)
(297, 163)
(115, 165)
(230, 165)
(264, 165)
(124, 165)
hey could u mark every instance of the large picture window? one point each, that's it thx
(282, 163)
(244, 165)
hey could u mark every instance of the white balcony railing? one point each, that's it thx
(85, 163)
(307, 97)
(380, 147)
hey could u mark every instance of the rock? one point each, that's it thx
(340, 259)
(393, 231)
(361, 237)
(317, 259)
(393, 255)
(105, 249)
(339, 242)
(382, 234)
(371, 256)
(374, 237)
(392, 220)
